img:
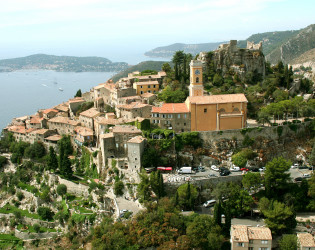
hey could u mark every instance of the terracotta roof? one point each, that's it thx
(213, 99)
(64, 120)
(133, 105)
(306, 240)
(40, 131)
(76, 99)
(239, 233)
(53, 138)
(147, 83)
(162, 73)
(62, 107)
(35, 119)
(131, 97)
(107, 135)
(22, 118)
(84, 131)
(259, 233)
(242, 233)
(128, 129)
(92, 112)
(147, 77)
(136, 139)
(171, 108)
(46, 111)
(20, 129)
(147, 94)
(101, 85)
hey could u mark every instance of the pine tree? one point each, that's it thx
(161, 185)
(52, 161)
(218, 213)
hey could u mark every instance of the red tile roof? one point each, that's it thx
(91, 113)
(306, 240)
(84, 131)
(53, 138)
(133, 105)
(147, 83)
(64, 120)
(128, 129)
(171, 108)
(46, 111)
(136, 139)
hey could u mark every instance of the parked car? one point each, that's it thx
(254, 169)
(244, 169)
(262, 169)
(201, 169)
(303, 167)
(295, 165)
(209, 203)
(224, 172)
(214, 168)
(306, 175)
(311, 168)
(235, 169)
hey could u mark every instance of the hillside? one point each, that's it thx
(294, 47)
(62, 63)
(152, 65)
(308, 56)
(168, 51)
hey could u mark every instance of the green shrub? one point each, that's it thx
(36, 228)
(20, 196)
(61, 189)
(118, 188)
(279, 130)
(45, 213)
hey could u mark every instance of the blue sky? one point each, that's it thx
(114, 28)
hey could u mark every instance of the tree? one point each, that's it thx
(45, 213)
(217, 214)
(3, 161)
(52, 161)
(119, 188)
(251, 180)
(178, 59)
(144, 187)
(276, 176)
(36, 227)
(311, 192)
(61, 189)
(187, 194)
(166, 67)
(64, 161)
(78, 94)
(288, 242)
(279, 217)
(156, 182)
(312, 156)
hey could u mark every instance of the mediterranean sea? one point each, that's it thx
(25, 92)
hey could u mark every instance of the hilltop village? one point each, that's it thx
(113, 154)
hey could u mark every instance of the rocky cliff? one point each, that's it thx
(230, 57)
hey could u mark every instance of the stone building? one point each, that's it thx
(83, 135)
(135, 148)
(48, 113)
(64, 125)
(34, 121)
(253, 238)
(87, 117)
(175, 116)
(40, 134)
(229, 56)
(74, 105)
(20, 133)
(133, 110)
(63, 109)
(52, 141)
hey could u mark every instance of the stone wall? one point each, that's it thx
(32, 236)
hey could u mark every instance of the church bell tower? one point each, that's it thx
(196, 81)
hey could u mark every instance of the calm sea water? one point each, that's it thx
(24, 92)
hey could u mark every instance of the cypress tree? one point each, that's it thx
(52, 162)
(161, 185)
(218, 213)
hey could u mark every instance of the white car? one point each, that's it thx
(209, 203)
(262, 169)
(306, 175)
(295, 165)
(235, 169)
(214, 168)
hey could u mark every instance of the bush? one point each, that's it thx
(118, 188)
(61, 189)
(36, 228)
(20, 196)
(45, 213)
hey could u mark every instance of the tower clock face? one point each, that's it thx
(197, 72)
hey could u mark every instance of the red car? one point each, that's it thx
(244, 169)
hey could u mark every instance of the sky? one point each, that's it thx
(123, 29)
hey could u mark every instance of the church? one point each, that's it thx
(202, 112)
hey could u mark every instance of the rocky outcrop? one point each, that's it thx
(229, 57)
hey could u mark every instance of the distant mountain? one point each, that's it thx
(62, 63)
(194, 49)
(294, 47)
(152, 65)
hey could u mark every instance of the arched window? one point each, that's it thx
(197, 79)
(222, 110)
(236, 110)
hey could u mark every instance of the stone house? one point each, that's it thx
(52, 141)
(40, 134)
(87, 117)
(129, 99)
(114, 143)
(133, 110)
(64, 125)
(175, 116)
(63, 109)
(305, 241)
(74, 105)
(252, 238)
(135, 148)
(48, 113)
(34, 122)
(83, 135)
(20, 133)
(146, 87)
(148, 97)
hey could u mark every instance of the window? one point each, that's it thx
(205, 110)
(149, 91)
(141, 92)
(164, 116)
(141, 87)
(236, 110)
(170, 116)
(185, 115)
(135, 159)
(154, 91)
(178, 116)
(240, 244)
(154, 86)
(250, 248)
(264, 248)
(184, 123)
(251, 241)
(222, 110)
(149, 86)
(264, 242)
(197, 79)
